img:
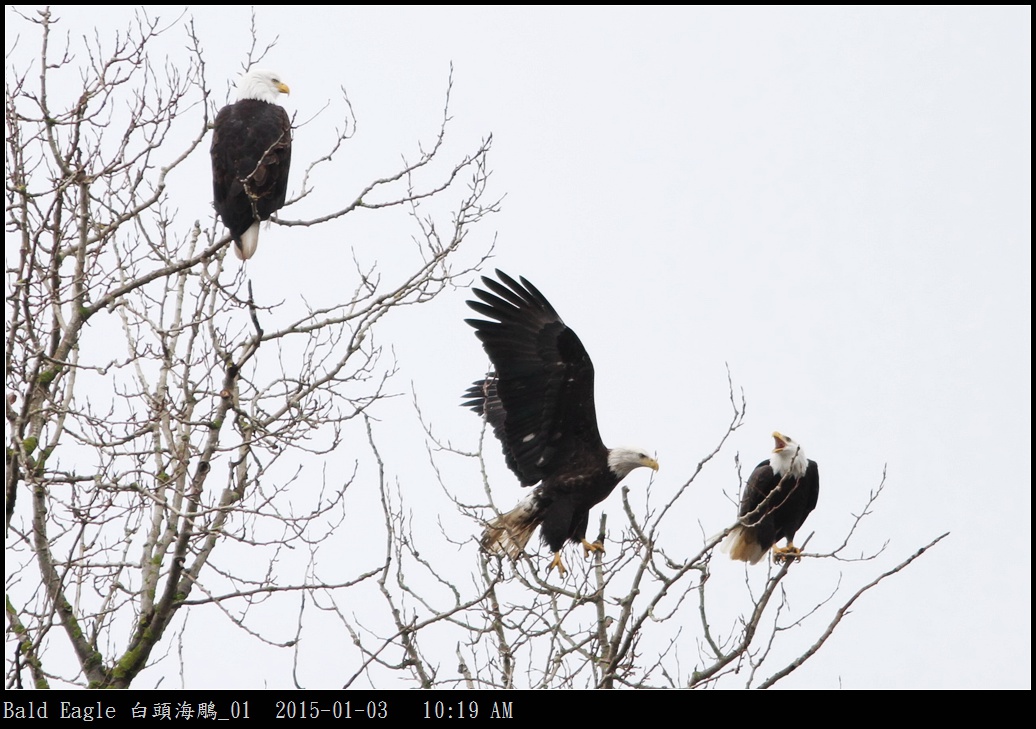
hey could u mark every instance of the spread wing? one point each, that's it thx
(540, 401)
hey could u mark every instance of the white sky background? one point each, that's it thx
(833, 202)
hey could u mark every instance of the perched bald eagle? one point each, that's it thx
(789, 484)
(540, 403)
(251, 153)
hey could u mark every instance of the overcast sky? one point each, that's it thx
(834, 203)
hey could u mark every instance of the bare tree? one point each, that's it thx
(155, 399)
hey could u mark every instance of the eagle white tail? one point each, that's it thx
(509, 533)
(246, 247)
(741, 544)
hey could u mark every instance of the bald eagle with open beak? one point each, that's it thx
(780, 494)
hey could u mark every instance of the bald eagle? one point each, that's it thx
(540, 404)
(251, 153)
(789, 484)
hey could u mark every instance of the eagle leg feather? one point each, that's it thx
(509, 533)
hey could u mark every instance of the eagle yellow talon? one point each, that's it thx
(791, 553)
(556, 562)
(591, 547)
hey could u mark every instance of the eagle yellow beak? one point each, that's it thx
(283, 87)
(651, 463)
(780, 442)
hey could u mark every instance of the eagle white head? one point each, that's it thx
(623, 460)
(788, 456)
(262, 85)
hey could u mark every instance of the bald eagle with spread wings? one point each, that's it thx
(780, 494)
(251, 154)
(540, 404)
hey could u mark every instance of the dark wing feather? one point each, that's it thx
(544, 380)
(786, 511)
(482, 397)
(251, 156)
(802, 502)
(762, 481)
(760, 484)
